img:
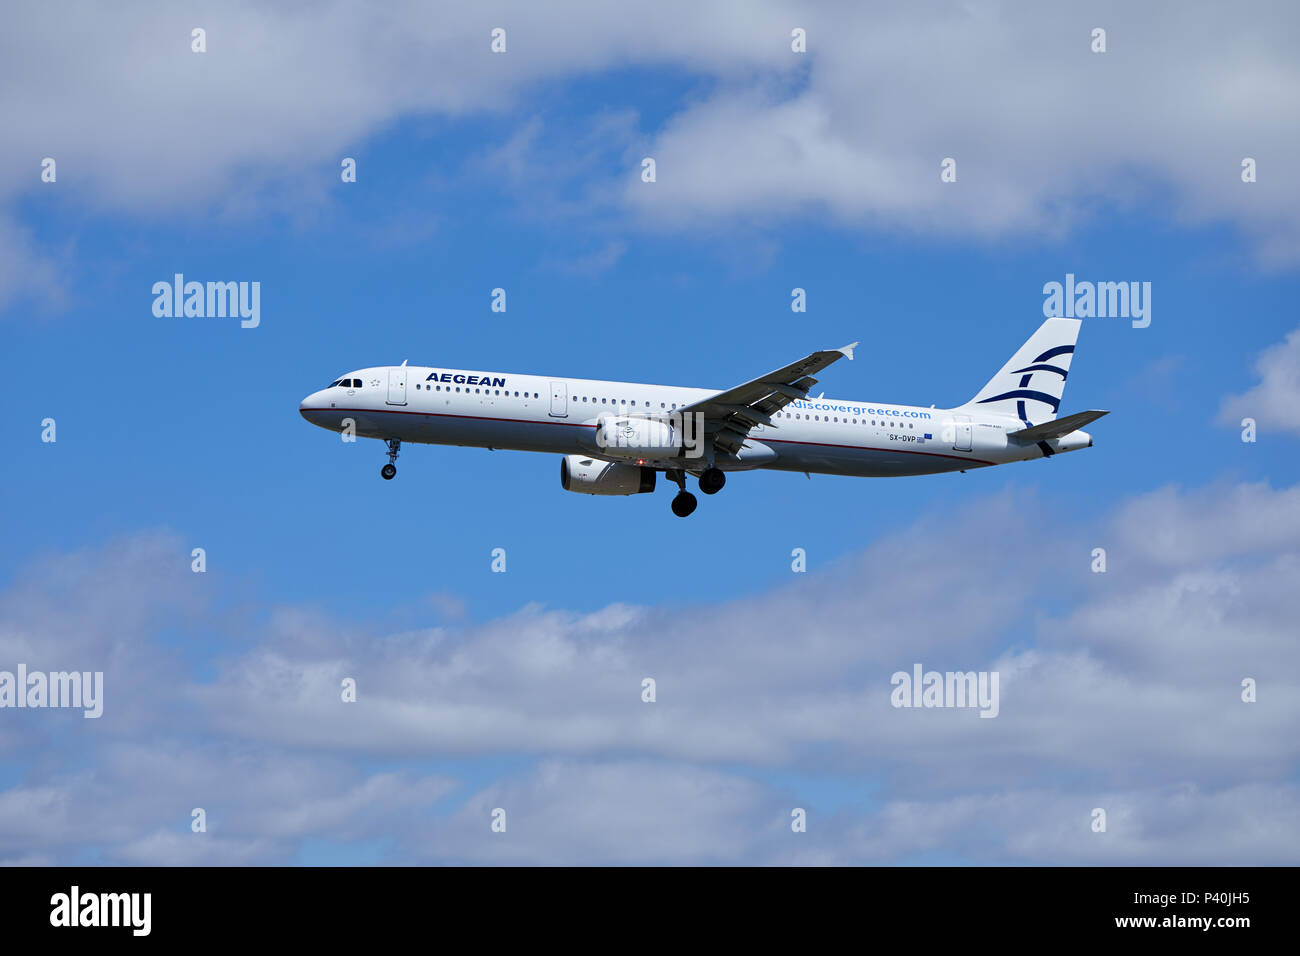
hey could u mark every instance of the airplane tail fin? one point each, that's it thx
(1030, 385)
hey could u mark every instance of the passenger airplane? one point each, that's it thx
(616, 436)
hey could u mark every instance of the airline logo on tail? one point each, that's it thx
(1024, 392)
(1036, 373)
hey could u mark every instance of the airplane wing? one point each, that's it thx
(731, 414)
(1057, 428)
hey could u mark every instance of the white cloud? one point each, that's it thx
(627, 812)
(1122, 686)
(136, 801)
(28, 274)
(1180, 825)
(591, 263)
(1275, 402)
(1046, 133)
(137, 120)
(571, 813)
(805, 668)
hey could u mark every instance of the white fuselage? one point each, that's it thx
(559, 415)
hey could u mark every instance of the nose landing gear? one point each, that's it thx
(389, 471)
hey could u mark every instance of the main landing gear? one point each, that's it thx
(712, 480)
(389, 471)
(684, 502)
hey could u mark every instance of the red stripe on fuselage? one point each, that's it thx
(534, 421)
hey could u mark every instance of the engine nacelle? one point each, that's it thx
(621, 436)
(591, 476)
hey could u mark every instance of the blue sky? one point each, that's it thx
(183, 433)
(197, 427)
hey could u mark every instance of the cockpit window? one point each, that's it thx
(356, 383)
(333, 383)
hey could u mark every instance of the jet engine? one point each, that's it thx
(630, 437)
(591, 476)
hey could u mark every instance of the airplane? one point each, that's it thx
(615, 437)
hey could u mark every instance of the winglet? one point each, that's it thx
(848, 350)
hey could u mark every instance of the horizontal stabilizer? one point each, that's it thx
(1057, 428)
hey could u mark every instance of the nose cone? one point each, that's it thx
(312, 403)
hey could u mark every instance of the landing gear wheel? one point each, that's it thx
(389, 471)
(683, 504)
(712, 480)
